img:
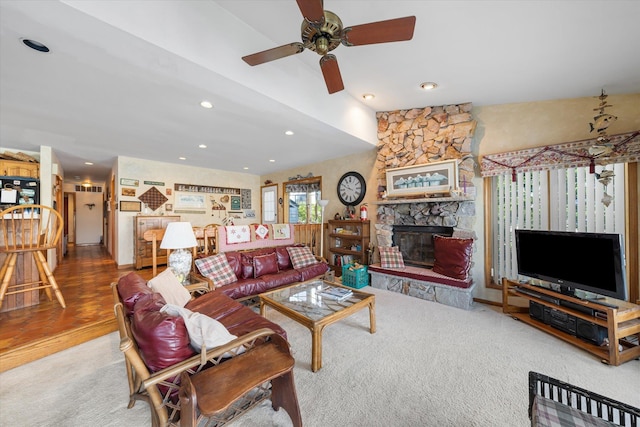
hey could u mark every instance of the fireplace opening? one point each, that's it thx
(416, 242)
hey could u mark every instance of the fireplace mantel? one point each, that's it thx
(425, 200)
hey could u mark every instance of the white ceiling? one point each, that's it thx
(126, 78)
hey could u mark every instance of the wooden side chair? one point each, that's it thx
(29, 229)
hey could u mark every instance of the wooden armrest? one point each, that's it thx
(194, 276)
(194, 363)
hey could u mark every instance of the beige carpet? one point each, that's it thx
(427, 365)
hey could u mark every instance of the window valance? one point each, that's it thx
(302, 186)
(620, 149)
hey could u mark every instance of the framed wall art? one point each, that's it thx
(423, 180)
(129, 182)
(131, 192)
(130, 206)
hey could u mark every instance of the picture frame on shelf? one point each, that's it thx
(423, 180)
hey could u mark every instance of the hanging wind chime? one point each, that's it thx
(603, 147)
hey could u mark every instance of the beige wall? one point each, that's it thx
(500, 128)
(331, 171)
(510, 127)
(169, 174)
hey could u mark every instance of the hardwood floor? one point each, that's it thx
(84, 277)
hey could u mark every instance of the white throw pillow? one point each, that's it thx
(204, 331)
(167, 285)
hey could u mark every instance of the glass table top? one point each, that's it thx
(308, 299)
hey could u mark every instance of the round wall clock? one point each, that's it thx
(351, 188)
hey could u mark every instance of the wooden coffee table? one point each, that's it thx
(304, 303)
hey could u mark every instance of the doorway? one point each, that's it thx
(69, 231)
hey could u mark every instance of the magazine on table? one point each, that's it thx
(336, 293)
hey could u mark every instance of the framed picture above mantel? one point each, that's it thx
(423, 180)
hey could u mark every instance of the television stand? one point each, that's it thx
(620, 319)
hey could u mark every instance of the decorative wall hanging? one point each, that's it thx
(423, 180)
(153, 198)
(126, 206)
(625, 147)
(129, 182)
(205, 189)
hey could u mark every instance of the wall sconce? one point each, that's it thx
(90, 205)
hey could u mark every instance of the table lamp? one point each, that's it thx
(179, 236)
(323, 204)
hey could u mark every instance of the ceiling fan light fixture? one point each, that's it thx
(322, 45)
(428, 85)
(368, 96)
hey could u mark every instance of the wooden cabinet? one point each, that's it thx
(619, 319)
(142, 250)
(348, 240)
(18, 168)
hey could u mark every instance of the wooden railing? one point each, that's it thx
(309, 235)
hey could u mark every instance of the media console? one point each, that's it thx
(604, 328)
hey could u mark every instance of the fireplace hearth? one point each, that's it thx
(416, 242)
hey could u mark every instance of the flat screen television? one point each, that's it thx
(592, 262)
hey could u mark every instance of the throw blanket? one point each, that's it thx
(238, 233)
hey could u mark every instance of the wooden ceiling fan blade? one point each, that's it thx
(273, 54)
(392, 30)
(331, 73)
(312, 10)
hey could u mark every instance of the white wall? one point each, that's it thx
(170, 174)
(88, 221)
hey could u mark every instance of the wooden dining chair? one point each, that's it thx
(210, 238)
(29, 229)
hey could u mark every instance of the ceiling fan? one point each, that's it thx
(322, 31)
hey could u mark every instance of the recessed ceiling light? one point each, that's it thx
(428, 85)
(182, 158)
(88, 163)
(246, 168)
(202, 146)
(35, 45)
(368, 96)
(206, 104)
(272, 160)
(289, 132)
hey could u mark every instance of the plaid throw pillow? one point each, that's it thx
(216, 268)
(301, 256)
(390, 257)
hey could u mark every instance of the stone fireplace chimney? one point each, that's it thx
(421, 136)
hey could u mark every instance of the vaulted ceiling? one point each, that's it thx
(127, 78)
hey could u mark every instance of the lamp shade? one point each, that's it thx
(323, 202)
(178, 235)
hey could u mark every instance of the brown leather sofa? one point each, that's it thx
(257, 274)
(157, 346)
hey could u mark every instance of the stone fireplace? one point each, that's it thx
(421, 136)
(415, 242)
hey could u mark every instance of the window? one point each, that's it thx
(301, 198)
(560, 199)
